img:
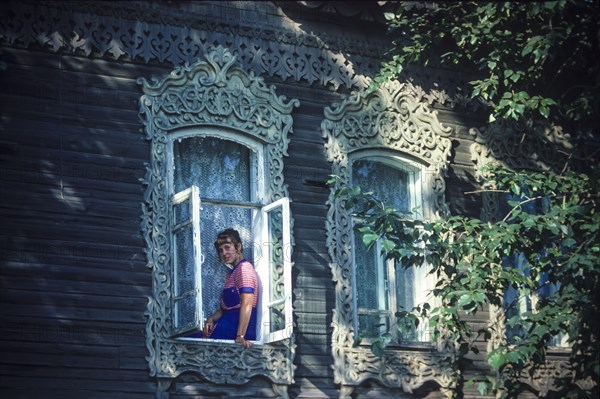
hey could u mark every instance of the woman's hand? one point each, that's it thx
(241, 340)
(209, 326)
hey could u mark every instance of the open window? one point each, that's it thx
(187, 281)
(218, 136)
(222, 185)
(276, 293)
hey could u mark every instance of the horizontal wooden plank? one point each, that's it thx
(38, 227)
(49, 329)
(72, 312)
(314, 387)
(47, 283)
(19, 133)
(68, 62)
(30, 389)
(313, 365)
(62, 301)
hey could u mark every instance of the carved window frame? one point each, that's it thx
(210, 93)
(389, 119)
(538, 146)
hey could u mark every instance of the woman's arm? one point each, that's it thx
(245, 312)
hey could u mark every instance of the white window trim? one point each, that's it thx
(214, 92)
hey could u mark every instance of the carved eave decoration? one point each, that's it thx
(260, 34)
(389, 119)
(537, 146)
(217, 93)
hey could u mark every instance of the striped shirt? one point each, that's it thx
(242, 279)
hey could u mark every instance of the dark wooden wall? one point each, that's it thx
(74, 283)
(73, 276)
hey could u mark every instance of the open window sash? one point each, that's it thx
(185, 234)
(277, 322)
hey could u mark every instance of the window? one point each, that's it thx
(218, 138)
(516, 303)
(390, 142)
(217, 181)
(383, 288)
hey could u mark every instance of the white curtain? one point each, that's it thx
(222, 170)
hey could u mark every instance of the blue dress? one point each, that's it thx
(240, 280)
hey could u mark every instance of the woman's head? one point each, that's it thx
(229, 246)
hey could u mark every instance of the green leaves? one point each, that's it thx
(552, 226)
(544, 55)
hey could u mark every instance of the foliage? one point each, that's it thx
(561, 247)
(530, 59)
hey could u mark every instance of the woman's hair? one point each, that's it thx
(228, 235)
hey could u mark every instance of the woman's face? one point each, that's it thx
(229, 253)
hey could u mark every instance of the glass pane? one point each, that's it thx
(221, 168)
(388, 184)
(181, 212)
(515, 304)
(372, 326)
(371, 288)
(406, 294)
(213, 220)
(405, 288)
(277, 317)
(184, 261)
(370, 278)
(184, 311)
(276, 254)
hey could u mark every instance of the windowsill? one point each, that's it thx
(220, 342)
(559, 350)
(404, 346)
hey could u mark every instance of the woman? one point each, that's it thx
(236, 318)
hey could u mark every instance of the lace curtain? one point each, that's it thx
(224, 171)
(393, 187)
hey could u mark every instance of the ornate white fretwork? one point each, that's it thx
(259, 34)
(390, 118)
(216, 93)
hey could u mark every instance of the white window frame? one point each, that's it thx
(259, 236)
(192, 196)
(263, 269)
(418, 198)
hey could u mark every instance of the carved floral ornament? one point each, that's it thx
(390, 119)
(213, 93)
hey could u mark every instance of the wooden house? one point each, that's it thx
(132, 131)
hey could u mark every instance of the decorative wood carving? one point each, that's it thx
(259, 34)
(214, 92)
(391, 119)
(537, 147)
(540, 146)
